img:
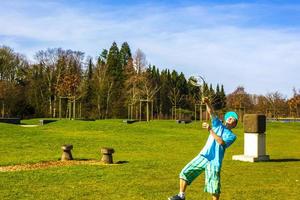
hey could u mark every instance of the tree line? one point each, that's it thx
(117, 84)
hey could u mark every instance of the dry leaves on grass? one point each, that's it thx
(43, 165)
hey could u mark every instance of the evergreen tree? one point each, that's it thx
(211, 91)
(89, 91)
(125, 55)
(216, 102)
(223, 97)
(165, 83)
(205, 90)
(183, 88)
(115, 89)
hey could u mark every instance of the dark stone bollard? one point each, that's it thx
(254, 123)
(67, 155)
(107, 155)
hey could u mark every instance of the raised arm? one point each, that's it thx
(209, 108)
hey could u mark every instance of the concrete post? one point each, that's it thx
(254, 139)
(67, 155)
(107, 155)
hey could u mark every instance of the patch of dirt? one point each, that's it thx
(44, 165)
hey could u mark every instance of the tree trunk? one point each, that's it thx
(74, 108)
(107, 100)
(147, 111)
(99, 107)
(70, 108)
(50, 106)
(54, 106)
(3, 111)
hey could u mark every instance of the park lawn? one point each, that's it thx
(154, 152)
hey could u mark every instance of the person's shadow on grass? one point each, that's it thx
(285, 160)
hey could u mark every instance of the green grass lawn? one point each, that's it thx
(155, 153)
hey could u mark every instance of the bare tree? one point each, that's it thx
(294, 103)
(240, 101)
(277, 104)
(108, 96)
(54, 63)
(139, 61)
(175, 98)
(148, 90)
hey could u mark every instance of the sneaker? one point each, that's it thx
(176, 197)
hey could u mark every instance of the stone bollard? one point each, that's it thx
(107, 155)
(67, 155)
(254, 139)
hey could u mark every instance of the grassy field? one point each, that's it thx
(154, 152)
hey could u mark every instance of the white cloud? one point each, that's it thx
(212, 41)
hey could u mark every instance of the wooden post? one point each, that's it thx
(80, 110)
(147, 107)
(180, 116)
(74, 108)
(152, 109)
(195, 113)
(70, 108)
(200, 116)
(131, 111)
(128, 111)
(2, 109)
(140, 111)
(206, 114)
(59, 107)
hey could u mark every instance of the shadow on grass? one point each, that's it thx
(122, 162)
(83, 159)
(285, 160)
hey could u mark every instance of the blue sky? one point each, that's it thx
(255, 44)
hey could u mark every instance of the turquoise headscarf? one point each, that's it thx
(231, 114)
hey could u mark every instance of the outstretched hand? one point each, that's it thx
(206, 126)
(205, 100)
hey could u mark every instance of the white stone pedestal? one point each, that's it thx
(254, 148)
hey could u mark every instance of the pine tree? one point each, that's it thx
(223, 97)
(115, 84)
(217, 101)
(89, 91)
(165, 83)
(125, 55)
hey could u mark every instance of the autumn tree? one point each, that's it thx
(240, 101)
(260, 103)
(13, 69)
(277, 104)
(294, 104)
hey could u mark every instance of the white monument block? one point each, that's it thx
(254, 143)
